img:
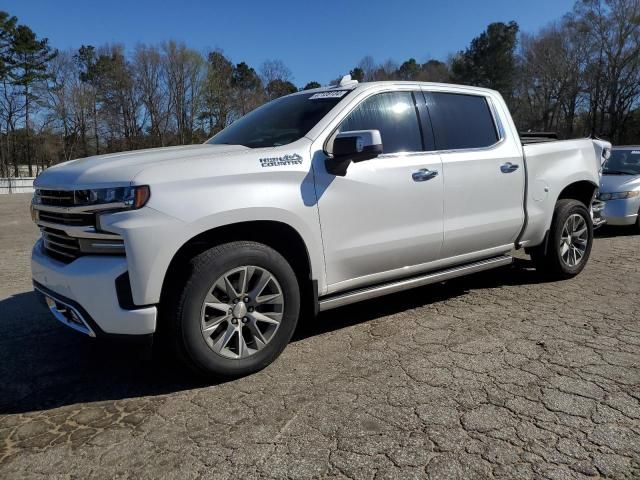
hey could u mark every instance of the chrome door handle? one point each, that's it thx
(508, 167)
(424, 174)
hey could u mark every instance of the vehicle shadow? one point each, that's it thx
(610, 231)
(45, 365)
(521, 272)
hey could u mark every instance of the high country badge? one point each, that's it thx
(293, 159)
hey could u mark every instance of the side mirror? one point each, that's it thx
(354, 146)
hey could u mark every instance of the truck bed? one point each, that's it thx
(548, 163)
(527, 138)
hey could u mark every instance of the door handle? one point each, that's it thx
(424, 174)
(508, 167)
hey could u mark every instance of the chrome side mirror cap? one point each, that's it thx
(354, 146)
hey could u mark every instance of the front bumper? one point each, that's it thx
(83, 294)
(622, 212)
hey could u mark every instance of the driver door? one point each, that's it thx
(384, 218)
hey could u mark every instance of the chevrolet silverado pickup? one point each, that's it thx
(313, 201)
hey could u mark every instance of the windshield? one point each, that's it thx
(280, 121)
(623, 162)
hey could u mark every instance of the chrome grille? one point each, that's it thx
(67, 221)
(79, 219)
(57, 198)
(59, 245)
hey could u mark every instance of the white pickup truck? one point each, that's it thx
(318, 199)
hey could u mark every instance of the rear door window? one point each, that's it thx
(461, 121)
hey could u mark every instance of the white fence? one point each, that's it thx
(16, 185)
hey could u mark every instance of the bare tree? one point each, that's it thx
(275, 70)
(276, 78)
(119, 98)
(151, 79)
(63, 102)
(185, 71)
(547, 77)
(11, 112)
(613, 79)
(368, 68)
(387, 71)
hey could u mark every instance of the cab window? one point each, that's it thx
(461, 121)
(394, 115)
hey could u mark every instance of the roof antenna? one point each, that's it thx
(346, 81)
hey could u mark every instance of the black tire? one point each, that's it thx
(550, 262)
(637, 225)
(184, 309)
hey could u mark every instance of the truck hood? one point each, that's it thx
(120, 168)
(619, 183)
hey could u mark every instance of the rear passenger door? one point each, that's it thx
(483, 172)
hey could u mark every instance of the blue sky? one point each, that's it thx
(316, 40)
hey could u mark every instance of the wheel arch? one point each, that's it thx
(280, 236)
(540, 212)
(581, 190)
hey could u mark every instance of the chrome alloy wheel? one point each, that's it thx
(574, 240)
(242, 312)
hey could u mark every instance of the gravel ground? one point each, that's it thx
(495, 375)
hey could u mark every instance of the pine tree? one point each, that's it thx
(217, 91)
(248, 87)
(409, 70)
(7, 29)
(29, 58)
(311, 85)
(490, 60)
(86, 59)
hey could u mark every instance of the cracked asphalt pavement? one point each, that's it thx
(498, 375)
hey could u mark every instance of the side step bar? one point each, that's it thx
(341, 299)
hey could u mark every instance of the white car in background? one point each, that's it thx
(620, 187)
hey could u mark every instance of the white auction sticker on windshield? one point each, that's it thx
(330, 94)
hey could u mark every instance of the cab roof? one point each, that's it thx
(355, 85)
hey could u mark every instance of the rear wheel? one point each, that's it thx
(237, 311)
(569, 244)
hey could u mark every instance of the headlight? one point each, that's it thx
(128, 197)
(618, 195)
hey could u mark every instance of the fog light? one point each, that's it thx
(100, 246)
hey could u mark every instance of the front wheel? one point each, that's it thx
(569, 244)
(237, 311)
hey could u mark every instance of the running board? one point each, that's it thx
(341, 299)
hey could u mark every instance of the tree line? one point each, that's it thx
(577, 76)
